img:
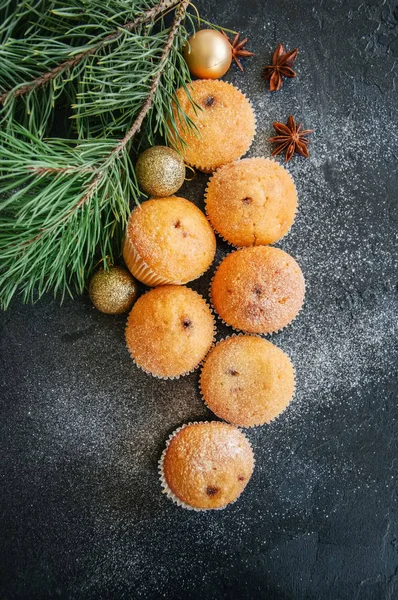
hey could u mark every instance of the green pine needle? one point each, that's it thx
(109, 71)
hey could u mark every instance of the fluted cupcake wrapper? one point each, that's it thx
(242, 334)
(220, 234)
(166, 489)
(186, 372)
(208, 170)
(261, 334)
(140, 269)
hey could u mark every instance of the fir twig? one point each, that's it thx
(69, 64)
(64, 202)
(135, 128)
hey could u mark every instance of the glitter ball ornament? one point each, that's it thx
(113, 292)
(208, 54)
(160, 171)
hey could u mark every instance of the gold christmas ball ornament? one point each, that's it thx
(208, 54)
(160, 171)
(113, 292)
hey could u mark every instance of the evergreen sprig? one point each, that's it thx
(113, 69)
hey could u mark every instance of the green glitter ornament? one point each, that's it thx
(160, 171)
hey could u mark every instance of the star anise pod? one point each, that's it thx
(238, 48)
(282, 62)
(290, 138)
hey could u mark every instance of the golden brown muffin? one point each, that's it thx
(225, 125)
(169, 331)
(168, 240)
(258, 290)
(206, 465)
(251, 202)
(247, 381)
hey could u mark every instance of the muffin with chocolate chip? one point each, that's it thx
(169, 331)
(168, 240)
(251, 202)
(258, 290)
(247, 381)
(206, 465)
(224, 124)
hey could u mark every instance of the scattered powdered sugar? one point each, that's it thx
(88, 426)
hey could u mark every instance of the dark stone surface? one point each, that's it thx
(82, 429)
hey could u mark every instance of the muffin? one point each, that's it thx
(258, 290)
(206, 465)
(223, 130)
(169, 331)
(251, 202)
(247, 381)
(168, 240)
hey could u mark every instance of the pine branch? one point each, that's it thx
(69, 64)
(54, 223)
(69, 200)
(135, 128)
(101, 89)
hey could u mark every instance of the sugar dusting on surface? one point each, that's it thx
(88, 427)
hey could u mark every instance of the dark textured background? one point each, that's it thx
(82, 429)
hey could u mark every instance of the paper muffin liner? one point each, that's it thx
(211, 169)
(170, 377)
(220, 234)
(243, 334)
(140, 269)
(261, 334)
(166, 489)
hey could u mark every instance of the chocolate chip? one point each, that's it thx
(187, 323)
(232, 372)
(247, 200)
(210, 100)
(212, 491)
(241, 478)
(178, 225)
(257, 290)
